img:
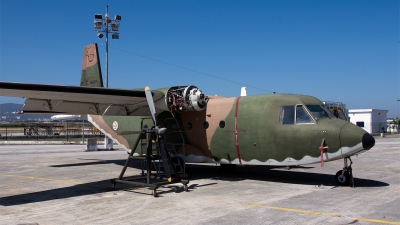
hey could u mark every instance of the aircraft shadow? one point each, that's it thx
(262, 173)
(91, 188)
(272, 174)
(58, 193)
(196, 172)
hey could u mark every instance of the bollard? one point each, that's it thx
(91, 144)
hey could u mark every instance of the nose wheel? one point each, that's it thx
(345, 177)
(342, 178)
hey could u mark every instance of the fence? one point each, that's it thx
(52, 131)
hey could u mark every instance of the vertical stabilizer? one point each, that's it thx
(91, 70)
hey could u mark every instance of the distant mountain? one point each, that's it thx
(7, 109)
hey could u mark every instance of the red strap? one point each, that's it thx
(236, 131)
(322, 149)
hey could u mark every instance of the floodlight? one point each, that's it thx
(104, 25)
(97, 24)
(115, 36)
(114, 27)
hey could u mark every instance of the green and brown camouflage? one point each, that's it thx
(251, 130)
(91, 70)
(267, 129)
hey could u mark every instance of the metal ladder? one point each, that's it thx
(177, 162)
(172, 146)
(165, 163)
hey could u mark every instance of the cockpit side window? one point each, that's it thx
(287, 115)
(302, 115)
(320, 112)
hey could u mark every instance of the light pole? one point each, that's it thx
(107, 26)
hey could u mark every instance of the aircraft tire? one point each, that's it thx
(342, 180)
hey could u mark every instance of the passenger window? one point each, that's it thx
(302, 115)
(287, 115)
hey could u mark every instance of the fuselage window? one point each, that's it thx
(287, 115)
(205, 125)
(302, 115)
(222, 124)
(189, 126)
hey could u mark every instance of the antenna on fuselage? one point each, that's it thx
(243, 92)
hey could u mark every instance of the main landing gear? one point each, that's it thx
(345, 177)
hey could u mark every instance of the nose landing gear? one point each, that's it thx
(345, 177)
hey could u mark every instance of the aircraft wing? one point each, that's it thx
(79, 99)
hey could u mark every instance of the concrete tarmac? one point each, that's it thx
(63, 184)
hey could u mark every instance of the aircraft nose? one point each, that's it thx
(368, 141)
(354, 139)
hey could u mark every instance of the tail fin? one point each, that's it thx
(91, 70)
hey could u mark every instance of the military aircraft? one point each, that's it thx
(266, 129)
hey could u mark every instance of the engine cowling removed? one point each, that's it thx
(185, 98)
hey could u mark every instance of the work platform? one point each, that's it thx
(160, 162)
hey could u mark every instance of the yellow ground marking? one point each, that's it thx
(42, 178)
(319, 213)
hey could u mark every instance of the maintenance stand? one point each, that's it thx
(166, 164)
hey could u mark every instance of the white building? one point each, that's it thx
(371, 120)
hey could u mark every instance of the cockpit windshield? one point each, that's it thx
(320, 112)
(294, 113)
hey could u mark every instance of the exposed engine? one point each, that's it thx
(185, 98)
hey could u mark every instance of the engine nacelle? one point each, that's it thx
(185, 98)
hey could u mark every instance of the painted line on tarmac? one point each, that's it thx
(319, 213)
(42, 178)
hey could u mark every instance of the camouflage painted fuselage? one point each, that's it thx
(270, 129)
(248, 130)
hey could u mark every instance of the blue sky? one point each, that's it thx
(346, 51)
